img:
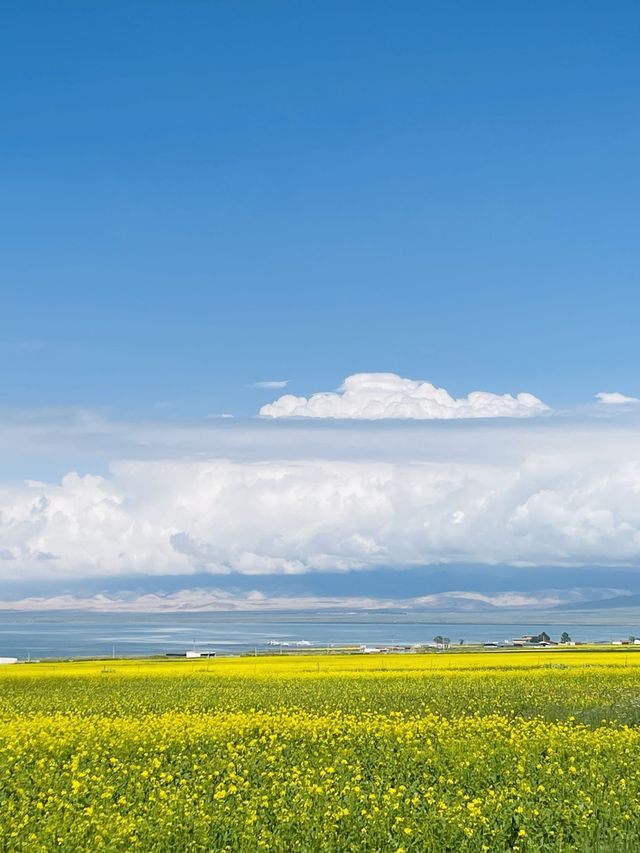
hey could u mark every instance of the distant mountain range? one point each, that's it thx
(616, 602)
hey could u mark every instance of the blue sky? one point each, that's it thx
(198, 196)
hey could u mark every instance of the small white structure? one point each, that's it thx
(196, 654)
(8, 660)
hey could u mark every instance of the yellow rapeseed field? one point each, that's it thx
(527, 751)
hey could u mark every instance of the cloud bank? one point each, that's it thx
(547, 503)
(376, 396)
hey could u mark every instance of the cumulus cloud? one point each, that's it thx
(375, 396)
(271, 383)
(615, 398)
(544, 502)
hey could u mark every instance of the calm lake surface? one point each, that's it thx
(71, 635)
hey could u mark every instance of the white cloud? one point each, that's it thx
(374, 396)
(557, 498)
(271, 383)
(615, 398)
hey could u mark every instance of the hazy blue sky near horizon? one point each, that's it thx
(198, 196)
(208, 205)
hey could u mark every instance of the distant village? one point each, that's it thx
(438, 644)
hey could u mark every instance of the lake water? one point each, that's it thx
(71, 635)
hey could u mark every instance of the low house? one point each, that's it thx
(525, 640)
(190, 654)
